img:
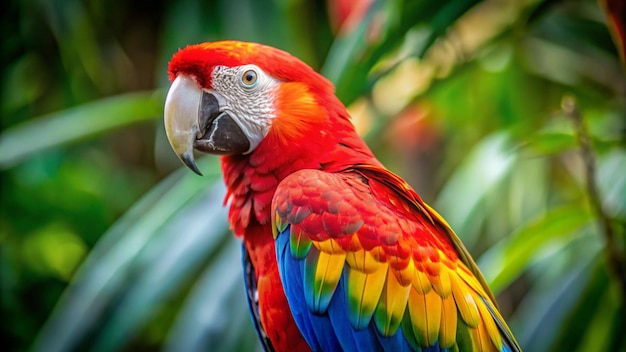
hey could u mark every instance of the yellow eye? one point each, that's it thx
(249, 78)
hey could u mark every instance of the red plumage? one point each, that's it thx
(314, 184)
(251, 180)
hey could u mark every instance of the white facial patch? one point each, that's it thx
(251, 105)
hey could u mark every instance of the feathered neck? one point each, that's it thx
(324, 140)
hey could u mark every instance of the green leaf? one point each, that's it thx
(444, 18)
(54, 130)
(172, 255)
(215, 313)
(547, 307)
(507, 260)
(382, 31)
(612, 182)
(481, 172)
(590, 296)
(601, 327)
(550, 143)
(342, 63)
(139, 262)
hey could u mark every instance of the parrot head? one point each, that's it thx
(228, 97)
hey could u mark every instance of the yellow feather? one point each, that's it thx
(278, 225)
(421, 282)
(433, 304)
(490, 325)
(447, 331)
(464, 298)
(363, 261)
(481, 339)
(464, 273)
(441, 282)
(364, 292)
(391, 305)
(327, 274)
(329, 246)
(405, 276)
(425, 313)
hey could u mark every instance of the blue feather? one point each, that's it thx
(350, 339)
(291, 273)
(249, 281)
(316, 329)
(332, 330)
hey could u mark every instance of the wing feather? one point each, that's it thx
(379, 266)
(447, 330)
(490, 326)
(321, 276)
(299, 243)
(425, 313)
(465, 303)
(364, 291)
(391, 306)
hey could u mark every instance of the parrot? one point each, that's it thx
(338, 252)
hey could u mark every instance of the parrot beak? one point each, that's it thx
(195, 118)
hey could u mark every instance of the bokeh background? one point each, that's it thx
(108, 244)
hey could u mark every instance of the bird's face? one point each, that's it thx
(231, 115)
(235, 98)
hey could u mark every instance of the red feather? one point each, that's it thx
(351, 205)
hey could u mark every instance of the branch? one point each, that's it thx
(616, 259)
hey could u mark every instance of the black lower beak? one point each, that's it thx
(220, 133)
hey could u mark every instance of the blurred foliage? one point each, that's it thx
(462, 98)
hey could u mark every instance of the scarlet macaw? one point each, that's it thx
(339, 252)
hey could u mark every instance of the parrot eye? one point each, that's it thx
(249, 78)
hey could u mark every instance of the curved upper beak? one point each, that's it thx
(200, 119)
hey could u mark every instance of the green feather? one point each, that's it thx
(299, 244)
(407, 330)
(321, 275)
(463, 336)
